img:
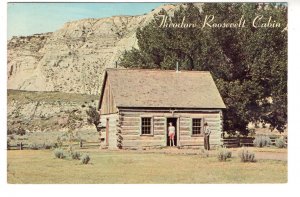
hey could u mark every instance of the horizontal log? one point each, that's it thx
(195, 143)
(159, 124)
(144, 138)
(183, 133)
(189, 138)
(131, 128)
(131, 123)
(191, 143)
(215, 115)
(184, 127)
(199, 114)
(159, 128)
(213, 119)
(124, 119)
(185, 122)
(131, 114)
(160, 119)
(141, 143)
(130, 132)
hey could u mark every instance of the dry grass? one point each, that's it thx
(129, 167)
(87, 134)
(33, 96)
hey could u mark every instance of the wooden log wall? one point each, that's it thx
(131, 134)
(186, 137)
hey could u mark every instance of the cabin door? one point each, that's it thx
(174, 123)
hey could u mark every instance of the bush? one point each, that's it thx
(75, 155)
(204, 153)
(48, 145)
(261, 141)
(17, 131)
(224, 154)
(85, 159)
(246, 155)
(59, 153)
(58, 143)
(34, 147)
(280, 143)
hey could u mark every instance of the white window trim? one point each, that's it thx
(191, 127)
(152, 126)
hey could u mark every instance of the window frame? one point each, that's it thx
(151, 126)
(201, 127)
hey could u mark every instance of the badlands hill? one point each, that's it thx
(53, 73)
(73, 58)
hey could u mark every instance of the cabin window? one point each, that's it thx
(146, 125)
(196, 126)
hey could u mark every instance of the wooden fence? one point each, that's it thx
(234, 142)
(228, 142)
(81, 144)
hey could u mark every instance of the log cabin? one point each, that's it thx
(137, 105)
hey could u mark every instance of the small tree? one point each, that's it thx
(74, 122)
(93, 117)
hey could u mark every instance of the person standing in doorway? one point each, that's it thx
(171, 133)
(207, 132)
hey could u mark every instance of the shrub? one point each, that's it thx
(85, 159)
(204, 153)
(48, 145)
(261, 141)
(246, 155)
(17, 131)
(280, 143)
(34, 147)
(224, 154)
(58, 143)
(59, 153)
(75, 155)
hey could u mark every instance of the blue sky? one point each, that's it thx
(30, 18)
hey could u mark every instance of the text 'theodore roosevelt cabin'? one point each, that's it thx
(136, 107)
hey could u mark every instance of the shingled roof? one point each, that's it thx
(163, 88)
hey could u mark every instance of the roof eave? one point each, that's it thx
(102, 90)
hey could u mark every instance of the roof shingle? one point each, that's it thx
(164, 88)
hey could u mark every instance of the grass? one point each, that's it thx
(40, 166)
(34, 96)
(88, 134)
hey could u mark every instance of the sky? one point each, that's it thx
(31, 18)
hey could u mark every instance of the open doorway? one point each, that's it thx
(174, 123)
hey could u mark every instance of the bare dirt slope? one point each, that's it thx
(73, 58)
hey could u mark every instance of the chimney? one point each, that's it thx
(177, 67)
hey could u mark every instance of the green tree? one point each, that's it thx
(93, 117)
(248, 64)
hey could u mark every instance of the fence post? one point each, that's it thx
(21, 146)
(80, 144)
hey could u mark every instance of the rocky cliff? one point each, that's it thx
(73, 58)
